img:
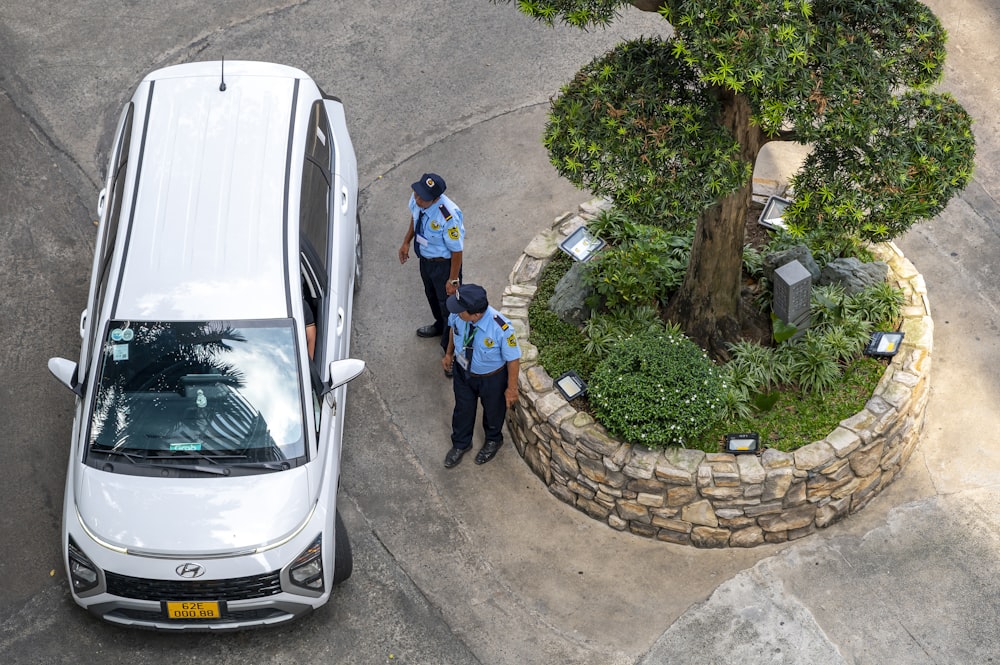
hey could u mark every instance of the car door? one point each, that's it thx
(345, 228)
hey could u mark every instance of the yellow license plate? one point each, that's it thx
(200, 609)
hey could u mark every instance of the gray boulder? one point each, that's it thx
(799, 253)
(853, 275)
(568, 298)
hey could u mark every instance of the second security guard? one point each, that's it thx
(485, 356)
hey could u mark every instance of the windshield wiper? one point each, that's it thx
(147, 463)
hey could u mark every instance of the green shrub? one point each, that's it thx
(639, 270)
(657, 390)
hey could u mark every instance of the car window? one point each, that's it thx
(113, 211)
(220, 393)
(314, 213)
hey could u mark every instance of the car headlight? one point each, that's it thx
(82, 571)
(307, 569)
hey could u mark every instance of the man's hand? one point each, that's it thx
(404, 252)
(510, 395)
(447, 362)
(450, 289)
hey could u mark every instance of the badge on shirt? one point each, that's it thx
(435, 225)
(488, 342)
(462, 361)
(453, 233)
(512, 340)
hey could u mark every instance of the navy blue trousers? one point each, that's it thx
(469, 391)
(434, 275)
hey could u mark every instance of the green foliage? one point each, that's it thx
(604, 330)
(799, 418)
(641, 269)
(657, 390)
(636, 125)
(558, 342)
(916, 153)
(577, 13)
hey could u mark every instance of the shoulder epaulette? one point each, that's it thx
(444, 211)
(500, 322)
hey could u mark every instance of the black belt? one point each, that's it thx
(479, 376)
(423, 258)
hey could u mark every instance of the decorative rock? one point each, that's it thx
(703, 536)
(799, 253)
(643, 462)
(700, 512)
(568, 300)
(749, 537)
(853, 275)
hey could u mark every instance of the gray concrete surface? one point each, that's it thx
(479, 564)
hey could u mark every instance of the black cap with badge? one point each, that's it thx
(469, 298)
(429, 187)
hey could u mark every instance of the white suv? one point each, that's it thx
(205, 456)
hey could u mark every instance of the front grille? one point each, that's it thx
(237, 588)
(228, 616)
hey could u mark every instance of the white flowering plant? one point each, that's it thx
(657, 390)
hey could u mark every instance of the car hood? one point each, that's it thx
(188, 516)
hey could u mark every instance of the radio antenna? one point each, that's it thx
(222, 85)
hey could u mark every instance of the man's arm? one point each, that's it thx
(404, 250)
(513, 369)
(449, 355)
(456, 267)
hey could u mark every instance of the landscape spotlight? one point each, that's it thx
(884, 344)
(747, 442)
(571, 385)
(581, 244)
(774, 210)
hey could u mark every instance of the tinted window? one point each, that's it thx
(314, 214)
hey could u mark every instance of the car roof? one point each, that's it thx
(208, 235)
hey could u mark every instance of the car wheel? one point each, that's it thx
(343, 557)
(357, 253)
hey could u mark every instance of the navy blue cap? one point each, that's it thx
(429, 187)
(469, 298)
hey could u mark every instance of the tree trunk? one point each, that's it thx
(707, 305)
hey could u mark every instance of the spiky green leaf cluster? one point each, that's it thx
(637, 126)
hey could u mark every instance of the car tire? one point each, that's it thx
(358, 253)
(343, 556)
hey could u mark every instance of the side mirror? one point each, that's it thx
(83, 324)
(342, 371)
(66, 372)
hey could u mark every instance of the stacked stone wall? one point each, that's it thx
(714, 500)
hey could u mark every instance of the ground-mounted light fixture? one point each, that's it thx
(571, 385)
(774, 211)
(744, 442)
(581, 244)
(884, 344)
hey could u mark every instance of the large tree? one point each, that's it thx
(669, 129)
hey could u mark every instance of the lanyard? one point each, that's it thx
(470, 334)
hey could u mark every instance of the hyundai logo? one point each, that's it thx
(190, 570)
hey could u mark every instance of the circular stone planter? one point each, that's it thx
(702, 499)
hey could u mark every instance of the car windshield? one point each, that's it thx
(209, 395)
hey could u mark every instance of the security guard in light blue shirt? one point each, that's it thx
(436, 230)
(485, 357)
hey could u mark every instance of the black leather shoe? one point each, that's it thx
(429, 331)
(453, 457)
(488, 451)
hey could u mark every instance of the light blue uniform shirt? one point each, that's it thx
(437, 236)
(493, 345)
